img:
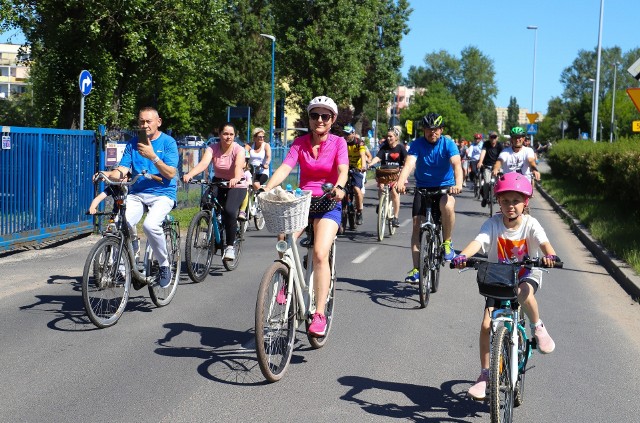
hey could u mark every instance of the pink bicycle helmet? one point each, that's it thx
(514, 181)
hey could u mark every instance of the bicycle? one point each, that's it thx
(286, 294)
(205, 236)
(477, 179)
(511, 346)
(348, 205)
(386, 175)
(253, 210)
(491, 183)
(431, 251)
(112, 265)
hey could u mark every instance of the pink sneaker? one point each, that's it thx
(545, 343)
(318, 326)
(479, 391)
(281, 298)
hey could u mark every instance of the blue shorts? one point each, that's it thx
(335, 214)
(358, 179)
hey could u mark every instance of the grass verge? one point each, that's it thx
(611, 222)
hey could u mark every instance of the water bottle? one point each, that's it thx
(289, 188)
(298, 192)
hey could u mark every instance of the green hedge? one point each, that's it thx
(610, 168)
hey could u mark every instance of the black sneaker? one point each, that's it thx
(359, 218)
(395, 223)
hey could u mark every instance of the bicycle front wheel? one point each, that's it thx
(199, 248)
(491, 200)
(382, 216)
(318, 342)
(424, 278)
(437, 254)
(163, 296)
(390, 216)
(106, 282)
(500, 388)
(275, 327)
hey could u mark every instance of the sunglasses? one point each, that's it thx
(324, 116)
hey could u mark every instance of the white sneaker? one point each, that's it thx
(229, 253)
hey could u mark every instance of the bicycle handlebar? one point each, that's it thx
(103, 177)
(213, 183)
(526, 262)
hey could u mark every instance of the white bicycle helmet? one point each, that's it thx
(323, 101)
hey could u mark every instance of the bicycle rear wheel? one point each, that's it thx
(382, 216)
(199, 248)
(275, 328)
(500, 377)
(424, 278)
(163, 296)
(318, 342)
(106, 282)
(524, 350)
(237, 245)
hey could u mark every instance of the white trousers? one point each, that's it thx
(158, 208)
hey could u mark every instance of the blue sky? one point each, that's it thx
(498, 28)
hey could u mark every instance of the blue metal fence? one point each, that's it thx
(45, 185)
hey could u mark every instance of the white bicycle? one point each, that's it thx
(286, 295)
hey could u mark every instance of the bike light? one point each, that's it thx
(282, 246)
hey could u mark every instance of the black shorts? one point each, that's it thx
(420, 204)
(262, 178)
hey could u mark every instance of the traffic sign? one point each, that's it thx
(532, 128)
(635, 126)
(85, 82)
(634, 93)
(532, 117)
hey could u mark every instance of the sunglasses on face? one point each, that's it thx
(324, 116)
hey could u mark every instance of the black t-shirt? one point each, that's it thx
(396, 154)
(491, 156)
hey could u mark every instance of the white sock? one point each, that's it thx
(537, 324)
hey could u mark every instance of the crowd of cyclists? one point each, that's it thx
(325, 155)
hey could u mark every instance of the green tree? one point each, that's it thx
(513, 112)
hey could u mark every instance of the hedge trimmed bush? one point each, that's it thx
(611, 168)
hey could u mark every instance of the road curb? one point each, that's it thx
(618, 269)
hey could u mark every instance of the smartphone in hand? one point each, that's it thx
(142, 136)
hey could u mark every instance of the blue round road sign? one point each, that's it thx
(85, 82)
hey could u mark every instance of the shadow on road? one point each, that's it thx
(393, 294)
(375, 396)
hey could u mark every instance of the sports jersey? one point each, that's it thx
(166, 149)
(433, 162)
(354, 151)
(316, 171)
(501, 244)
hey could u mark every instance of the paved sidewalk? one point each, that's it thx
(619, 270)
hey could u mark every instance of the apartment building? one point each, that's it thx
(13, 76)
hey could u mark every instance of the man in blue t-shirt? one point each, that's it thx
(157, 155)
(437, 163)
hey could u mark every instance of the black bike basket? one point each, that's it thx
(496, 280)
(322, 204)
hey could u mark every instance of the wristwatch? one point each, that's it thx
(341, 187)
(156, 160)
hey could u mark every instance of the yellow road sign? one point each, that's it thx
(635, 126)
(409, 125)
(634, 93)
(532, 117)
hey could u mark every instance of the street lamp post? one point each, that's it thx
(613, 101)
(273, 84)
(594, 118)
(533, 84)
(593, 106)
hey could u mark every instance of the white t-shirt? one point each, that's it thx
(500, 243)
(512, 161)
(474, 151)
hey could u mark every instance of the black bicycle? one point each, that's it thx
(431, 251)
(205, 236)
(113, 266)
(348, 204)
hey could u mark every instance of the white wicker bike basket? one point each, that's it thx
(286, 216)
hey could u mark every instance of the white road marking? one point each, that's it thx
(405, 223)
(362, 257)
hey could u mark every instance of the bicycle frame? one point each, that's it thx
(509, 316)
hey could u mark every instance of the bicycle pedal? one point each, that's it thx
(534, 343)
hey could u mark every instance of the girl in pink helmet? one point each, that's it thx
(504, 237)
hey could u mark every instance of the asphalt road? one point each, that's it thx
(386, 360)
